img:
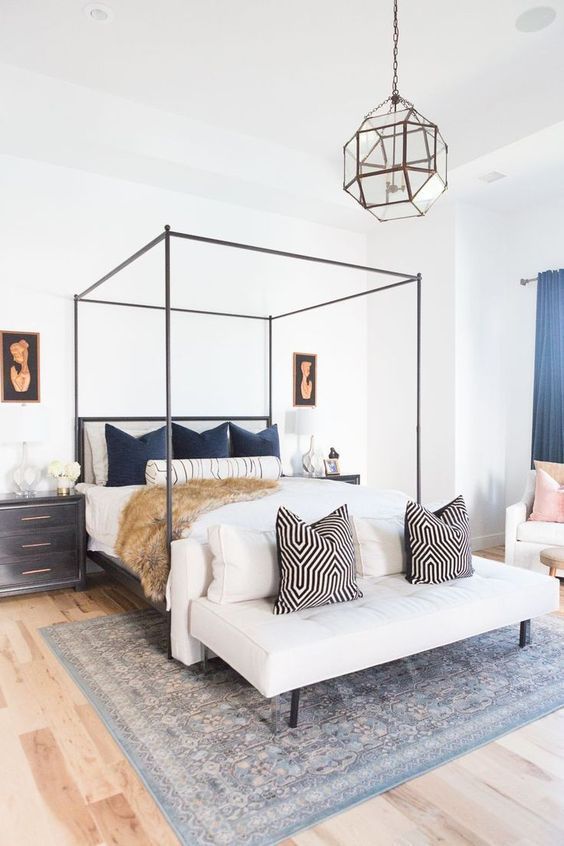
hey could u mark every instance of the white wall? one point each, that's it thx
(480, 379)
(63, 228)
(424, 245)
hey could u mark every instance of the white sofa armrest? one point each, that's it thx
(514, 516)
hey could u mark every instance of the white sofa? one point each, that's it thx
(394, 619)
(525, 539)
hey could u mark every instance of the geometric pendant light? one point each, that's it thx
(396, 162)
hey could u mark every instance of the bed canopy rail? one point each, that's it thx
(400, 280)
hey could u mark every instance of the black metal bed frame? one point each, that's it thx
(166, 236)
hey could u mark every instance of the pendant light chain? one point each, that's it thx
(395, 96)
(395, 89)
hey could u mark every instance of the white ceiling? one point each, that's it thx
(298, 74)
(533, 168)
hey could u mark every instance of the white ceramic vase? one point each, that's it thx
(64, 486)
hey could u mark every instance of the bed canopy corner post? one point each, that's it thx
(270, 370)
(168, 420)
(418, 400)
(77, 447)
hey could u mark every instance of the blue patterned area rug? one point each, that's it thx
(204, 748)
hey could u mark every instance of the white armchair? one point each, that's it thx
(524, 540)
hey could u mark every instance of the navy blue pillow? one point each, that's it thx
(245, 444)
(210, 444)
(128, 455)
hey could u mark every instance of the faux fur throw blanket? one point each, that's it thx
(141, 541)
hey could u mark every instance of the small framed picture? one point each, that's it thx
(305, 379)
(332, 467)
(20, 366)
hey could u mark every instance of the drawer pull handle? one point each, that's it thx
(43, 517)
(30, 545)
(31, 572)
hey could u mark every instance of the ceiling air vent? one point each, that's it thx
(492, 176)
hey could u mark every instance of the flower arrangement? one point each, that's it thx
(58, 470)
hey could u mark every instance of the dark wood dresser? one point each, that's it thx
(42, 543)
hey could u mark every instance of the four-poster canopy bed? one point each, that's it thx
(220, 592)
(112, 564)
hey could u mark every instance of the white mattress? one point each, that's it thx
(309, 498)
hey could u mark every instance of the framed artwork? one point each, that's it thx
(20, 366)
(332, 467)
(305, 379)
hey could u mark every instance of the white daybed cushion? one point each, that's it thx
(187, 469)
(244, 564)
(537, 531)
(379, 545)
(392, 620)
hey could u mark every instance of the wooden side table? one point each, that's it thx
(553, 558)
(348, 478)
(42, 543)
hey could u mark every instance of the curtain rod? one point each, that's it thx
(527, 281)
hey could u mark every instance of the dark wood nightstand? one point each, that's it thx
(42, 543)
(350, 479)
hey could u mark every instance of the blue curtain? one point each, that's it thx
(548, 396)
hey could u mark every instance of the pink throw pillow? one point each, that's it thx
(549, 499)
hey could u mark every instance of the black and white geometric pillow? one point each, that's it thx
(437, 544)
(317, 561)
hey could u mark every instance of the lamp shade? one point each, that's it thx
(306, 419)
(22, 423)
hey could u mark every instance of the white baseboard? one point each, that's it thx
(485, 541)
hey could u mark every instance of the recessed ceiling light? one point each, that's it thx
(98, 12)
(535, 19)
(492, 176)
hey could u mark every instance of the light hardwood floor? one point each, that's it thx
(64, 782)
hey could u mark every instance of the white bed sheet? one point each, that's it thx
(103, 510)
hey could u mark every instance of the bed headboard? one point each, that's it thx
(92, 429)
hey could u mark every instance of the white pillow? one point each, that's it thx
(187, 469)
(244, 564)
(379, 545)
(98, 447)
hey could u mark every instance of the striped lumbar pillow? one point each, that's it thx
(187, 469)
(437, 544)
(317, 561)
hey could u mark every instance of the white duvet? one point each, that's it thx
(310, 499)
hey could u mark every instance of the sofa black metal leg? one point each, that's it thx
(205, 658)
(525, 633)
(294, 708)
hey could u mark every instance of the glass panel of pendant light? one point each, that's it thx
(430, 192)
(350, 169)
(395, 211)
(432, 188)
(386, 187)
(420, 148)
